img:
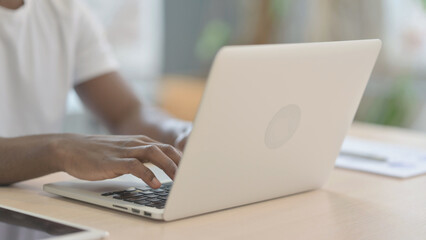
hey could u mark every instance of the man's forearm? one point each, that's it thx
(109, 97)
(27, 157)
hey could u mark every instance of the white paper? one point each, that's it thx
(401, 161)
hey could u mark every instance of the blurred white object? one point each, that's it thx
(406, 34)
(381, 158)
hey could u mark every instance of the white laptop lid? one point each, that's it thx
(271, 123)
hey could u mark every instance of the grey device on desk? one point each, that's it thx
(20, 225)
(270, 124)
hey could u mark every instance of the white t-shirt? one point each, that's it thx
(46, 48)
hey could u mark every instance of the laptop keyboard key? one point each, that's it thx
(132, 199)
(107, 194)
(119, 192)
(142, 202)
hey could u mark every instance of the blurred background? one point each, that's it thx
(165, 48)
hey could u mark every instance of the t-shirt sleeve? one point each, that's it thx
(93, 56)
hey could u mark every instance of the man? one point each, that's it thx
(46, 48)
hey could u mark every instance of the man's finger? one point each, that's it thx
(154, 155)
(136, 168)
(171, 152)
(135, 141)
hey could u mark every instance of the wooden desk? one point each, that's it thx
(352, 205)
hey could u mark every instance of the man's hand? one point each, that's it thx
(85, 157)
(103, 157)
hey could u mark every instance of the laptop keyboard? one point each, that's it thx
(143, 196)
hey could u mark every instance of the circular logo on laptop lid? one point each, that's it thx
(282, 126)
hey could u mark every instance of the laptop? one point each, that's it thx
(270, 124)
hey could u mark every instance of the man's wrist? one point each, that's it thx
(181, 135)
(177, 128)
(56, 155)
